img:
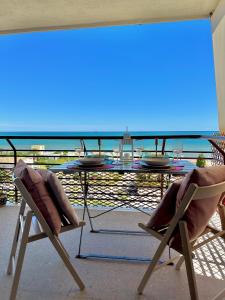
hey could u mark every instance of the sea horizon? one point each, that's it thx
(105, 131)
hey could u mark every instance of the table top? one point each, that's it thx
(180, 167)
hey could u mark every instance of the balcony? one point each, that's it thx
(44, 276)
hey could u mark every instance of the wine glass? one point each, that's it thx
(116, 153)
(180, 150)
(177, 151)
(78, 151)
(138, 151)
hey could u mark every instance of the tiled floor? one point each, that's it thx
(44, 276)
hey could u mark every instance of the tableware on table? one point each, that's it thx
(147, 165)
(177, 151)
(116, 155)
(138, 152)
(102, 156)
(78, 151)
(91, 161)
(160, 160)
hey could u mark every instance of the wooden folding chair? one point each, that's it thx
(220, 296)
(42, 230)
(194, 193)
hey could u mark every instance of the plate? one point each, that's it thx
(147, 165)
(91, 161)
(81, 163)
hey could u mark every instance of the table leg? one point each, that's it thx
(81, 234)
(84, 188)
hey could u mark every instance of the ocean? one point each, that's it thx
(188, 144)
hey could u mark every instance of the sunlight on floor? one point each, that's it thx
(210, 259)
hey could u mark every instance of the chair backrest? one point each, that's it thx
(210, 191)
(27, 198)
(196, 192)
(193, 193)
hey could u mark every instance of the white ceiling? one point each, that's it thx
(41, 15)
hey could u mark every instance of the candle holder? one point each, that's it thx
(126, 148)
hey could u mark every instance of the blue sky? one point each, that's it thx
(148, 77)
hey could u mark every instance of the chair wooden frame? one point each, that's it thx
(42, 230)
(194, 193)
(220, 296)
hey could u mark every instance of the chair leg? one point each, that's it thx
(65, 258)
(21, 254)
(188, 260)
(15, 239)
(151, 267)
(63, 248)
(181, 260)
(179, 263)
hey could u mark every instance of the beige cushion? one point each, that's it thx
(200, 211)
(36, 186)
(59, 196)
(166, 209)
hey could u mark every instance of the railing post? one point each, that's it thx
(15, 162)
(163, 146)
(156, 146)
(99, 147)
(83, 146)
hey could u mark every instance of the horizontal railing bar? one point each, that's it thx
(94, 150)
(91, 194)
(115, 137)
(125, 186)
(112, 137)
(43, 156)
(49, 150)
(52, 155)
(123, 200)
(80, 199)
(190, 151)
(108, 185)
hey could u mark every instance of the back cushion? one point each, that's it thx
(35, 185)
(59, 196)
(20, 166)
(166, 209)
(200, 211)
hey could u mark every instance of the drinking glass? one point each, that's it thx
(180, 150)
(138, 151)
(177, 151)
(116, 153)
(78, 150)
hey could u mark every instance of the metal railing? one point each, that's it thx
(48, 157)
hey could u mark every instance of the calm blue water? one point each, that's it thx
(190, 144)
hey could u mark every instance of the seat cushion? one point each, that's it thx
(166, 209)
(59, 196)
(36, 186)
(200, 211)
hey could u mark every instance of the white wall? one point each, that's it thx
(218, 32)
